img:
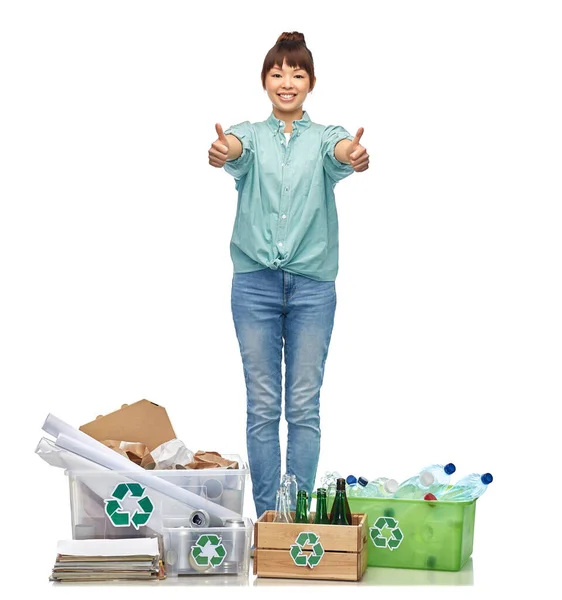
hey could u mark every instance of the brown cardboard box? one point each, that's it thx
(142, 421)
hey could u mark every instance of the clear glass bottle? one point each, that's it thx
(282, 512)
(289, 482)
(328, 481)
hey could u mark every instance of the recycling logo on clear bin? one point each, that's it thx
(208, 550)
(123, 518)
(307, 538)
(384, 525)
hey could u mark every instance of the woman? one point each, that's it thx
(284, 249)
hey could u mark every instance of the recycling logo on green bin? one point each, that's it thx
(385, 533)
(208, 550)
(122, 518)
(306, 538)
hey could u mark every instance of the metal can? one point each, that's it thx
(234, 537)
(182, 540)
(199, 518)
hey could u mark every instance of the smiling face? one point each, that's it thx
(287, 88)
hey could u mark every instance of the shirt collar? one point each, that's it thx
(276, 125)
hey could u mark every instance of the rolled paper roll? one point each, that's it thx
(232, 499)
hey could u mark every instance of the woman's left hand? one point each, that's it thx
(357, 154)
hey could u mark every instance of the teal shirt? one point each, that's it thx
(286, 216)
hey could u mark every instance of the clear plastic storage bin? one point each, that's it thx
(209, 550)
(112, 504)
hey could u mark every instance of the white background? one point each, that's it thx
(115, 267)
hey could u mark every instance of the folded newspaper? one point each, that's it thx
(108, 560)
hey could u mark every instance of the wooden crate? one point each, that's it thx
(279, 549)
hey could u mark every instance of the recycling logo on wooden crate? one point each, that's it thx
(302, 559)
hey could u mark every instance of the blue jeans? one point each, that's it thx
(274, 312)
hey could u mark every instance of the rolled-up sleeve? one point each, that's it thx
(333, 167)
(240, 166)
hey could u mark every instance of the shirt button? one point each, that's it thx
(286, 189)
(283, 216)
(280, 244)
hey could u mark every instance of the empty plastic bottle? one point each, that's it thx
(468, 488)
(357, 490)
(416, 487)
(381, 487)
(442, 477)
(351, 484)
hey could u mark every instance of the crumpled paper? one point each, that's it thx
(136, 452)
(173, 454)
(210, 460)
(170, 455)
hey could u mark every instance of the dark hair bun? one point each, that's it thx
(293, 36)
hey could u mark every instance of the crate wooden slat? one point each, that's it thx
(345, 549)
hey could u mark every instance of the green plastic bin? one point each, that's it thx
(417, 534)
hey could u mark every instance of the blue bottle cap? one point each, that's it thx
(362, 481)
(487, 478)
(351, 479)
(450, 468)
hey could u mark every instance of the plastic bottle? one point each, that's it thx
(355, 487)
(442, 476)
(359, 490)
(381, 487)
(416, 487)
(351, 486)
(466, 489)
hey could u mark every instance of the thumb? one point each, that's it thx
(221, 135)
(357, 137)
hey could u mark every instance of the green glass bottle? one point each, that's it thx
(301, 513)
(341, 514)
(321, 516)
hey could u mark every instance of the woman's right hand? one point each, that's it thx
(218, 152)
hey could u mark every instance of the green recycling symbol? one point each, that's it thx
(379, 540)
(299, 557)
(122, 518)
(208, 550)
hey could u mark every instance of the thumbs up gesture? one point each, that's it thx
(357, 154)
(218, 152)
